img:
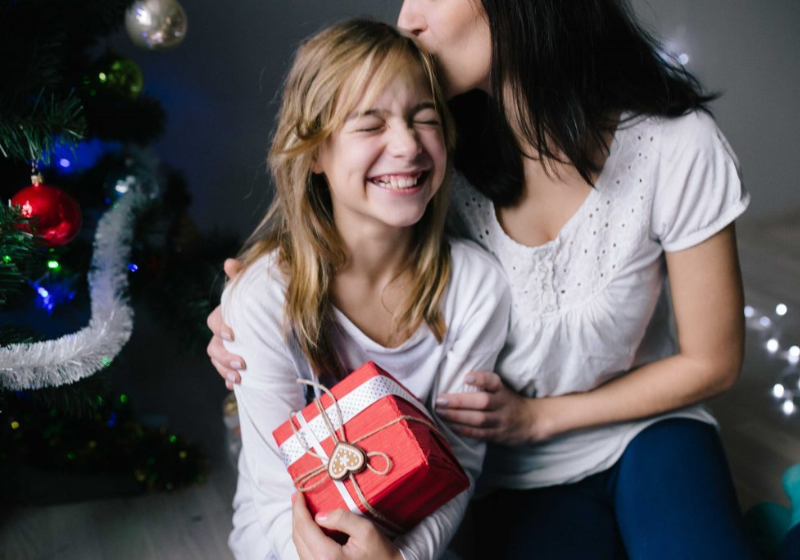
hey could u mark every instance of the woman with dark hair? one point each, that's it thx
(598, 178)
(591, 168)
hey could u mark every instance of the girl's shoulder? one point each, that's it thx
(474, 269)
(478, 297)
(469, 255)
(265, 270)
(260, 285)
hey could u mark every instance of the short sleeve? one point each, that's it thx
(698, 185)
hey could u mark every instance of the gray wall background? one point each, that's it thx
(219, 90)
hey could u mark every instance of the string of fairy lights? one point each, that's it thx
(771, 329)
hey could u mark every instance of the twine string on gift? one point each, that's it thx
(324, 468)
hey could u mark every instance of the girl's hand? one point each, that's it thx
(365, 542)
(227, 365)
(497, 413)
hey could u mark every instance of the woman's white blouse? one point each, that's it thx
(593, 303)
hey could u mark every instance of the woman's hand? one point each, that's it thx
(227, 365)
(496, 413)
(366, 541)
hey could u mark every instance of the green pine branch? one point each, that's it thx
(17, 252)
(51, 123)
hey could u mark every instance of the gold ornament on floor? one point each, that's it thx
(156, 24)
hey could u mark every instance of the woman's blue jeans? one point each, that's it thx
(670, 496)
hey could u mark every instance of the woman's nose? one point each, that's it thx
(410, 18)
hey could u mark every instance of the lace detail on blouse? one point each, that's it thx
(591, 247)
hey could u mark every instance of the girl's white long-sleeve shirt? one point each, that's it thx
(476, 310)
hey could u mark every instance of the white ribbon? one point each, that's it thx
(317, 445)
(355, 402)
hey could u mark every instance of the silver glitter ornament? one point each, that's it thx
(156, 24)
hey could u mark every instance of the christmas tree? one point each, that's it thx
(94, 222)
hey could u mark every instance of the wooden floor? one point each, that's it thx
(760, 440)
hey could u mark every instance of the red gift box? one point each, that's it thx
(409, 470)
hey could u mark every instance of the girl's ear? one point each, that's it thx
(316, 166)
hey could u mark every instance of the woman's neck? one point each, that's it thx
(547, 172)
(553, 192)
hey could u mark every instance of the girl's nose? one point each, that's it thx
(404, 142)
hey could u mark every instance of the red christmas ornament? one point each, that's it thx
(56, 216)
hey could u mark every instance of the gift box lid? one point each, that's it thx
(354, 394)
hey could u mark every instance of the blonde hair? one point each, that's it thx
(331, 72)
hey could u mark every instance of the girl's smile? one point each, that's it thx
(403, 183)
(387, 161)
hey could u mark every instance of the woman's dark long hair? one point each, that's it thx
(570, 66)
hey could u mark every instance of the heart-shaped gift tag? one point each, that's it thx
(345, 459)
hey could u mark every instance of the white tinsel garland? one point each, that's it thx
(72, 357)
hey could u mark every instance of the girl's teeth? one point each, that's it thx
(396, 182)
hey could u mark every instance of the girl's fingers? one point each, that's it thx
(302, 549)
(305, 532)
(345, 522)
